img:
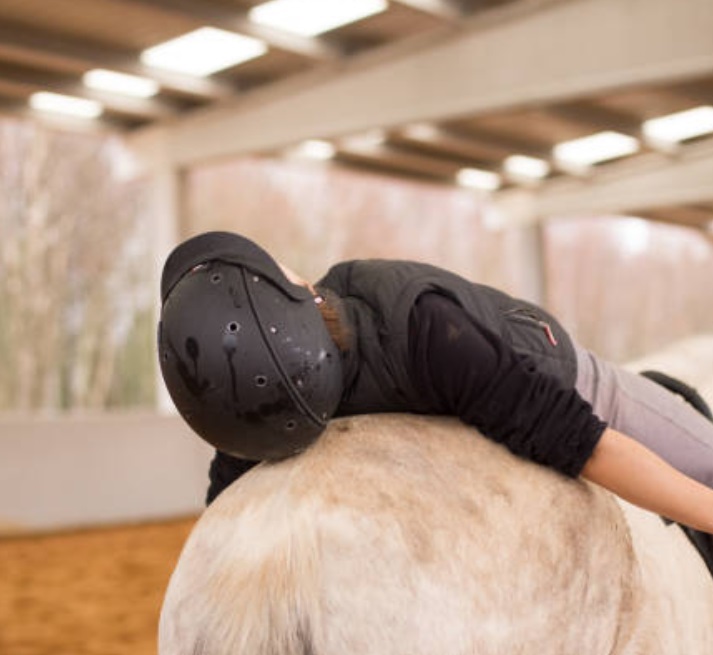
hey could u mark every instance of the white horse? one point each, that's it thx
(398, 534)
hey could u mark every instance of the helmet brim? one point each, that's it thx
(226, 247)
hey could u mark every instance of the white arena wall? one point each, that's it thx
(58, 473)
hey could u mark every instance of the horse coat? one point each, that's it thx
(407, 535)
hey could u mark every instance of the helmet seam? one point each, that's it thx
(291, 388)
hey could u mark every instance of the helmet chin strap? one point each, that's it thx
(291, 388)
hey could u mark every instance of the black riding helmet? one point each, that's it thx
(245, 354)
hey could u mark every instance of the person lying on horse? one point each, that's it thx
(257, 361)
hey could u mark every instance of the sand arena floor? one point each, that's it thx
(89, 592)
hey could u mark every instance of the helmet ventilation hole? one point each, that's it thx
(273, 329)
(233, 327)
(260, 380)
(291, 424)
(216, 278)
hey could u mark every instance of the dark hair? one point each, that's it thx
(332, 312)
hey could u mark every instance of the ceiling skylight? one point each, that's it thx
(364, 141)
(526, 168)
(66, 105)
(596, 148)
(203, 52)
(475, 178)
(312, 17)
(421, 132)
(680, 126)
(315, 149)
(121, 83)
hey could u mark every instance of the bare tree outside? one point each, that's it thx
(75, 285)
(626, 287)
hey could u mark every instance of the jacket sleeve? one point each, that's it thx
(464, 369)
(224, 470)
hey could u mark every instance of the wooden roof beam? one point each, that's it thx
(602, 119)
(446, 10)
(687, 215)
(648, 182)
(238, 21)
(535, 59)
(384, 155)
(40, 49)
(21, 85)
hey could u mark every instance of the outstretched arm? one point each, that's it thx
(636, 474)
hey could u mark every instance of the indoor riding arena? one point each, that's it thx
(95, 590)
(254, 227)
